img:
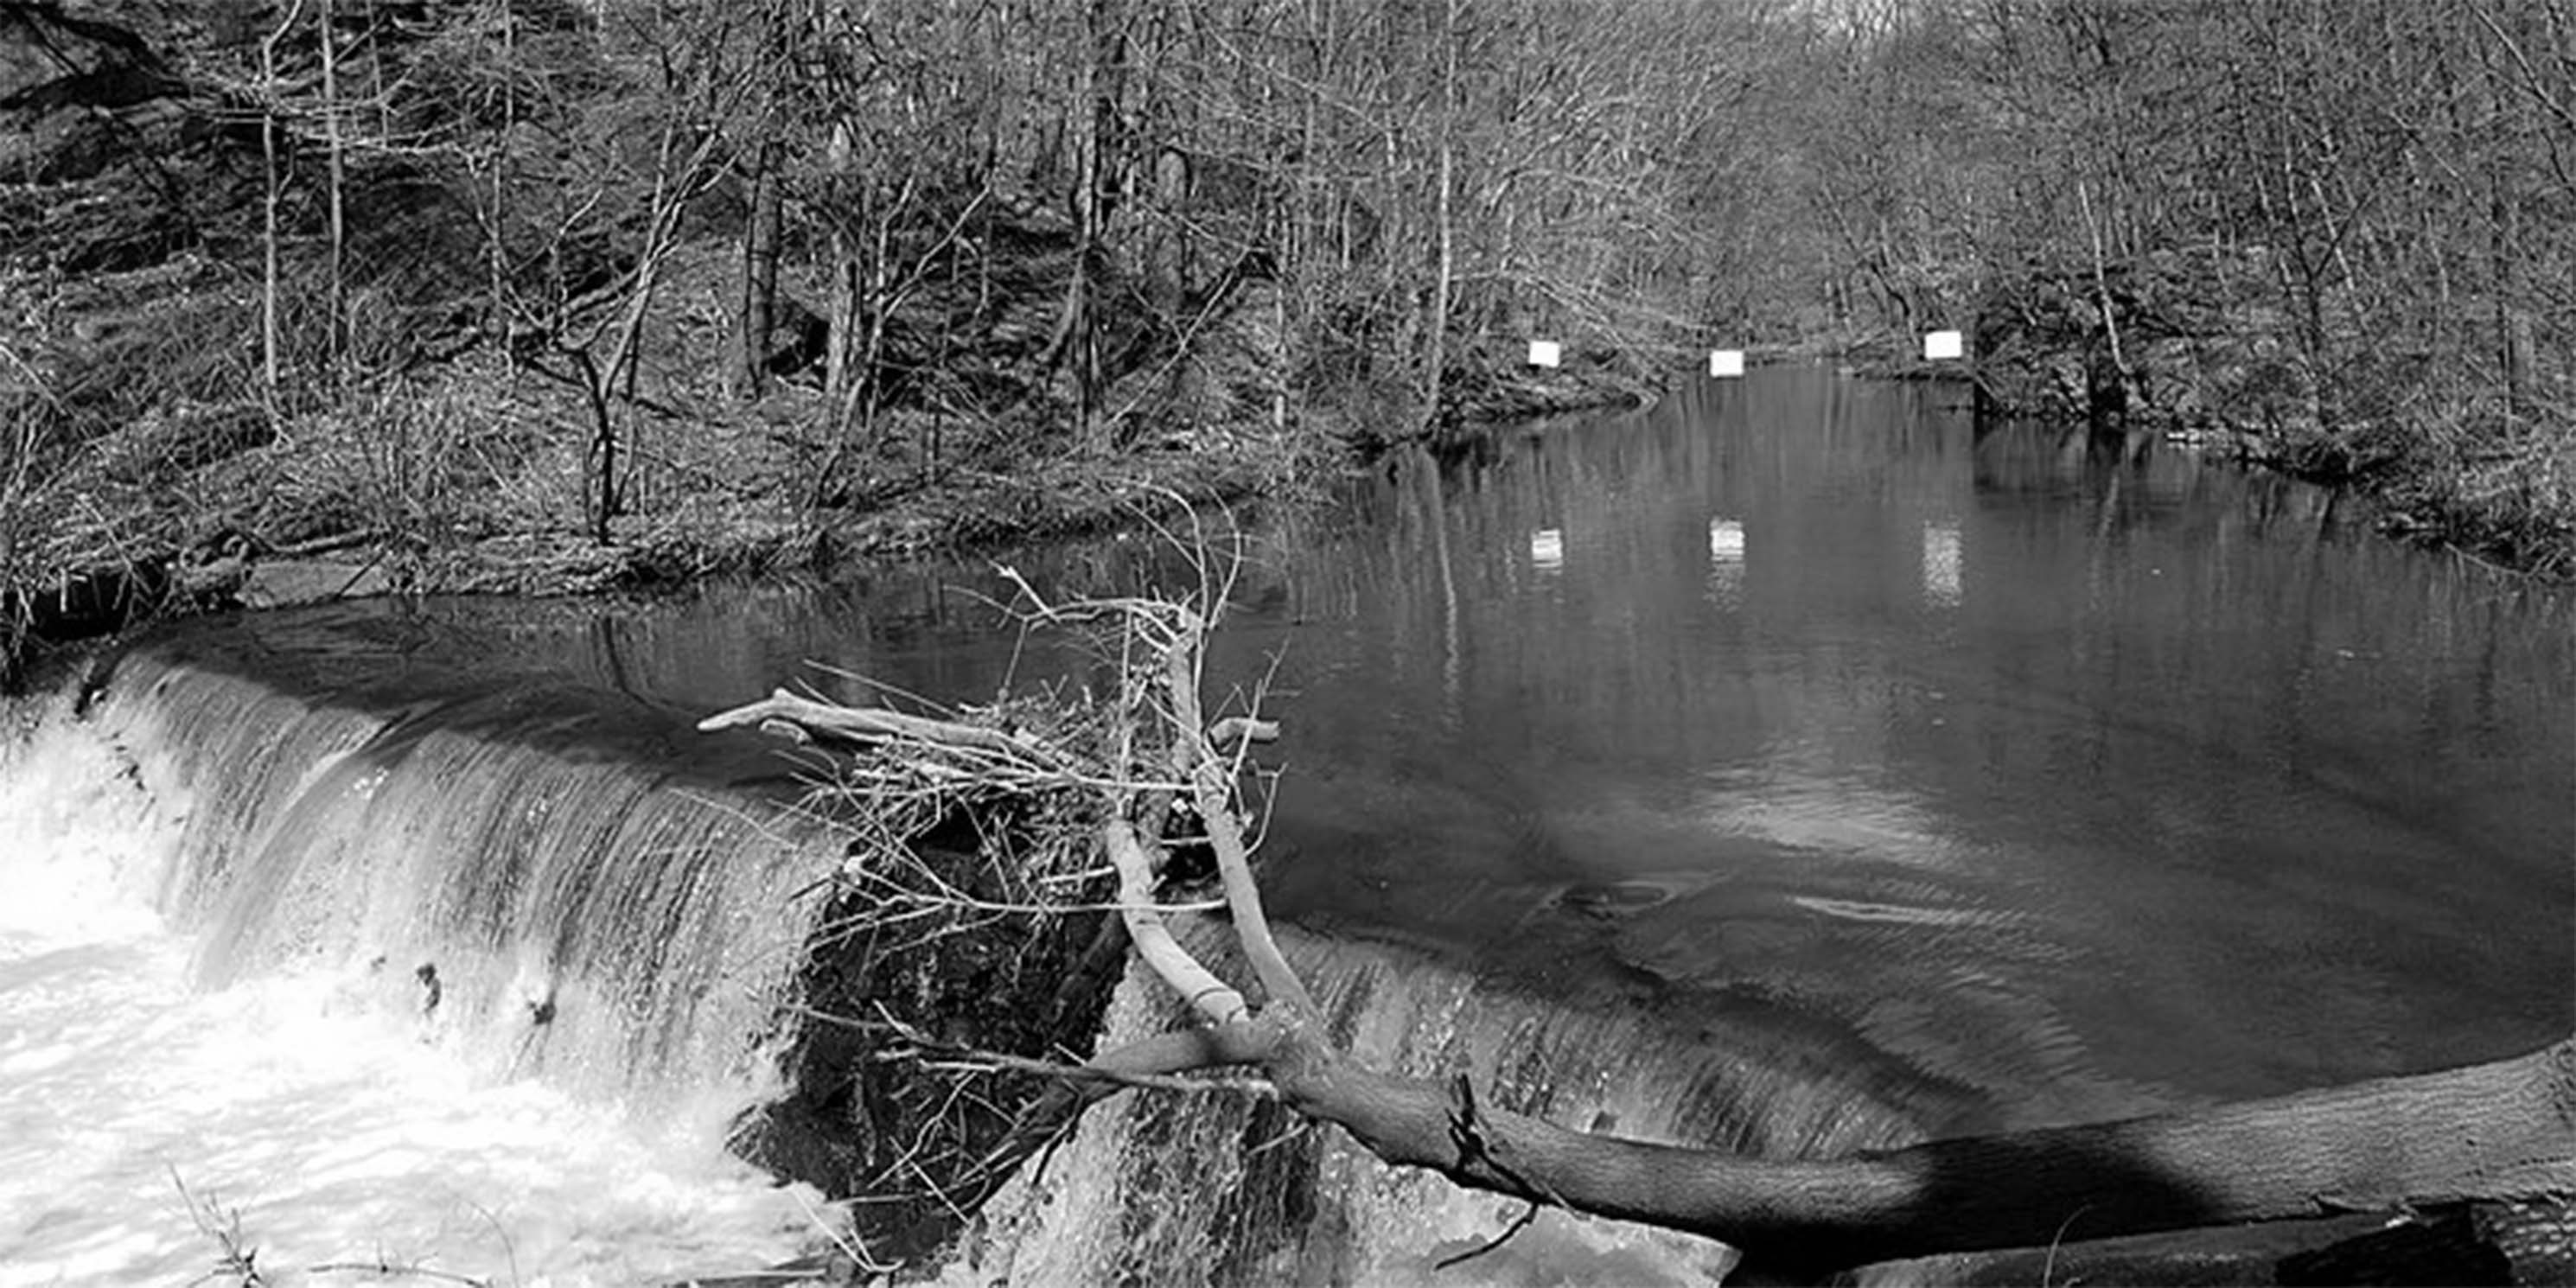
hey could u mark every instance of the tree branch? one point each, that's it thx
(873, 725)
(1208, 995)
(1211, 777)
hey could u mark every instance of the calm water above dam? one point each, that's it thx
(1790, 766)
(2068, 770)
(2088, 776)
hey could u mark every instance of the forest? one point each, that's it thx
(563, 296)
(549, 295)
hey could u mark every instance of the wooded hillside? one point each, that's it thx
(431, 275)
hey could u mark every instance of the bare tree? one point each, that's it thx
(682, 82)
(273, 195)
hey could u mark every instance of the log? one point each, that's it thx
(2492, 1132)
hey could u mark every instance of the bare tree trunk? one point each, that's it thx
(676, 179)
(499, 243)
(840, 346)
(1436, 352)
(335, 303)
(1302, 258)
(749, 372)
(269, 361)
(2120, 374)
(1075, 338)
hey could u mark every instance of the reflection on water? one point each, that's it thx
(2085, 774)
(1941, 564)
(1725, 560)
(2154, 778)
(2186, 785)
(1547, 550)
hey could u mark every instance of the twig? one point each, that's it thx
(2048, 1267)
(384, 1268)
(224, 1227)
(843, 1235)
(1258, 1088)
(1474, 1148)
(1528, 1214)
(509, 1246)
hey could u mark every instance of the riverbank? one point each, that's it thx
(453, 482)
(469, 477)
(151, 472)
(2453, 448)
(270, 336)
(461, 483)
(2499, 495)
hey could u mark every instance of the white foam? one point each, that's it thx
(331, 1127)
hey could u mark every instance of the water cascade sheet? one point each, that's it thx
(169, 1106)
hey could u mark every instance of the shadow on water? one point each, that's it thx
(1790, 766)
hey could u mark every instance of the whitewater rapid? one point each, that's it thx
(313, 1117)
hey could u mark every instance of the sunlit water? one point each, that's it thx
(307, 1116)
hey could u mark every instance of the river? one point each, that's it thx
(1995, 778)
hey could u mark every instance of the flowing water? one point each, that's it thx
(1792, 767)
(221, 1077)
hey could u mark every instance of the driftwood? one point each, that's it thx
(2490, 1134)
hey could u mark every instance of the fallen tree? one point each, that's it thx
(1165, 776)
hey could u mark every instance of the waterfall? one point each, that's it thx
(1216, 1188)
(527, 858)
(557, 877)
(343, 958)
(546, 872)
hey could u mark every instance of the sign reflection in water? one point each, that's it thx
(1725, 560)
(1941, 563)
(1547, 549)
